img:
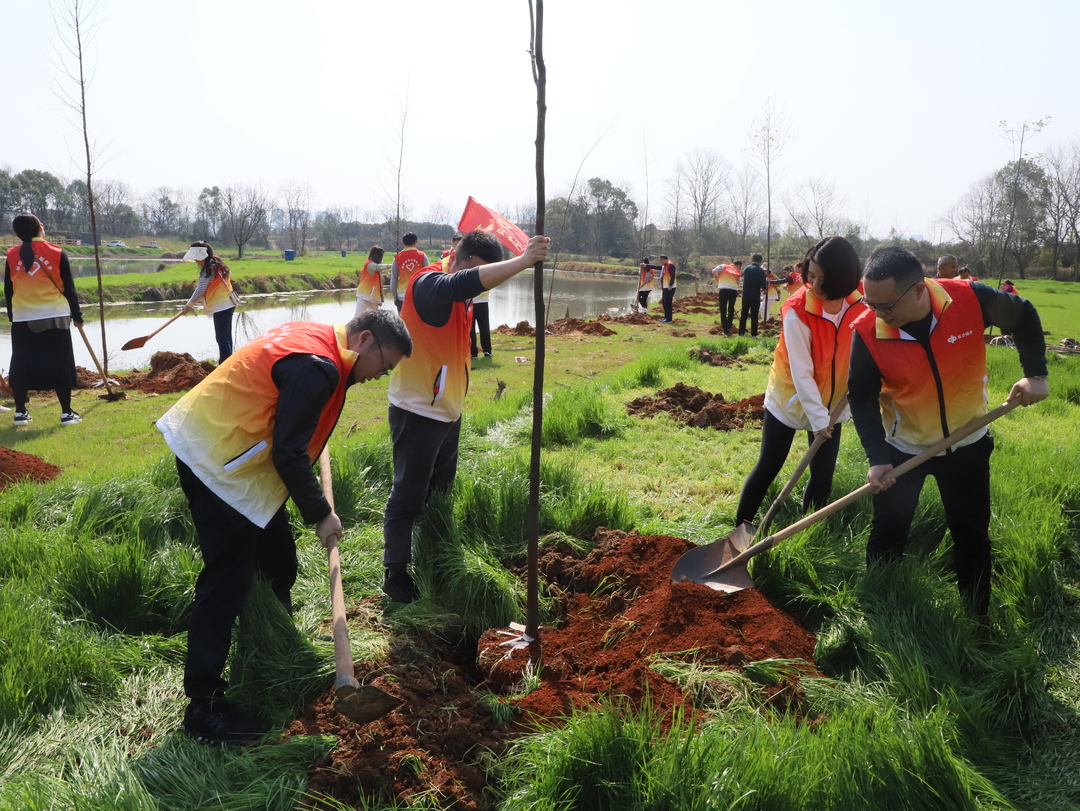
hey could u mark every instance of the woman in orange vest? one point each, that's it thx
(369, 287)
(809, 373)
(41, 305)
(214, 289)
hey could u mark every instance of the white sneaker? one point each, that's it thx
(69, 418)
(22, 418)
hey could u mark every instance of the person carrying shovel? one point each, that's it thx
(214, 289)
(809, 374)
(917, 372)
(245, 440)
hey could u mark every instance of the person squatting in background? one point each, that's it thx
(369, 285)
(214, 289)
(809, 374)
(41, 306)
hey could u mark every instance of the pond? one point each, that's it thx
(579, 295)
(109, 267)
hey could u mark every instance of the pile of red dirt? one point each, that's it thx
(640, 319)
(169, 372)
(618, 609)
(712, 358)
(523, 329)
(701, 303)
(16, 466)
(564, 326)
(692, 406)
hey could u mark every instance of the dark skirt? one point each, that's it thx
(41, 361)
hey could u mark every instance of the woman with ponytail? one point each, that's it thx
(41, 304)
(214, 289)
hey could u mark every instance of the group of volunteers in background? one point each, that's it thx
(906, 350)
(648, 275)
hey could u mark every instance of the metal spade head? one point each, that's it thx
(700, 564)
(364, 703)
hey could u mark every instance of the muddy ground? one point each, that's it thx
(700, 409)
(16, 466)
(617, 611)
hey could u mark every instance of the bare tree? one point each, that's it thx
(1017, 136)
(245, 209)
(396, 209)
(438, 213)
(643, 210)
(296, 215)
(1062, 167)
(770, 135)
(678, 236)
(704, 175)
(816, 208)
(745, 206)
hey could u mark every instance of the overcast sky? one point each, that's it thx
(897, 104)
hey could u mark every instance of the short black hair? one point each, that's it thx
(892, 262)
(663, 256)
(479, 245)
(409, 239)
(837, 257)
(737, 263)
(387, 327)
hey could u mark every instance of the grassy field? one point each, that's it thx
(924, 708)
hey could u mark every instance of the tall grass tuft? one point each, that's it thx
(572, 415)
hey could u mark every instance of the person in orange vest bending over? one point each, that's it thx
(917, 373)
(727, 290)
(369, 285)
(245, 439)
(809, 374)
(406, 263)
(646, 276)
(427, 390)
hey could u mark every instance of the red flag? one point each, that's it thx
(478, 217)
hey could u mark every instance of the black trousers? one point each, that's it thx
(223, 333)
(643, 298)
(776, 439)
(727, 296)
(425, 460)
(963, 480)
(480, 318)
(233, 550)
(667, 299)
(750, 306)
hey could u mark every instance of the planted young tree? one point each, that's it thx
(770, 136)
(395, 208)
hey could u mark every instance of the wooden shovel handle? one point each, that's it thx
(343, 661)
(855, 495)
(159, 329)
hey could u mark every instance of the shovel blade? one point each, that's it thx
(136, 343)
(699, 564)
(364, 703)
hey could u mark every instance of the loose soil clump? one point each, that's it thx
(16, 466)
(169, 372)
(712, 358)
(692, 406)
(564, 326)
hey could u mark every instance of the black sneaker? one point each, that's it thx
(399, 587)
(22, 418)
(70, 418)
(220, 722)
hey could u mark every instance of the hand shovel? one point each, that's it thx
(139, 343)
(361, 703)
(721, 565)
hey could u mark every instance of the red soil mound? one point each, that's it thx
(15, 466)
(692, 406)
(169, 372)
(564, 326)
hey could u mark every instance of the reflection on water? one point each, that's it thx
(112, 267)
(580, 295)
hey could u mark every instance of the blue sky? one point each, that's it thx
(895, 104)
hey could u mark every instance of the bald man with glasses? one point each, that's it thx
(918, 373)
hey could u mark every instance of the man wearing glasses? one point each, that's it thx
(918, 372)
(428, 390)
(245, 441)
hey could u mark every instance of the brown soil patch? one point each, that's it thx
(523, 329)
(639, 319)
(15, 466)
(169, 372)
(564, 326)
(618, 609)
(711, 358)
(692, 406)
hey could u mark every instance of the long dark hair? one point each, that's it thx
(213, 261)
(26, 227)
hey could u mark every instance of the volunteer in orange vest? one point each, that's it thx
(793, 279)
(41, 306)
(369, 284)
(667, 288)
(727, 290)
(214, 289)
(918, 372)
(245, 439)
(405, 264)
(428, 389)
(646, 275)
(809, 374)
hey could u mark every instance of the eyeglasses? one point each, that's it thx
(386, 370)
(887, 308)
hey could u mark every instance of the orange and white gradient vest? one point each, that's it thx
(432, 382)
(409, 262)
(925, 395)
(667, 276)
(223, 429)
(38, 289)
(217, 298)
(369, 287)
(728, 278)
(830, 352)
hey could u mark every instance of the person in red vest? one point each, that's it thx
(427, 390)
(245, 440)
(809, 374)
(727, 291)
(667, 288)
(214, 289)
(369, 283)
(918, 372)
(406, 263)
(41, 306)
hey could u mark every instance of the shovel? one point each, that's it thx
(722, 565)
(139, 343)
(112, 395)
(361, 703)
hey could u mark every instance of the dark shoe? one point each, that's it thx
(487, 354)
(399, 587)
(220, 722)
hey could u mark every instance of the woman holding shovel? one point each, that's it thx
(41, 305)
(215, 291)
(369, 288)
(809, 374)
